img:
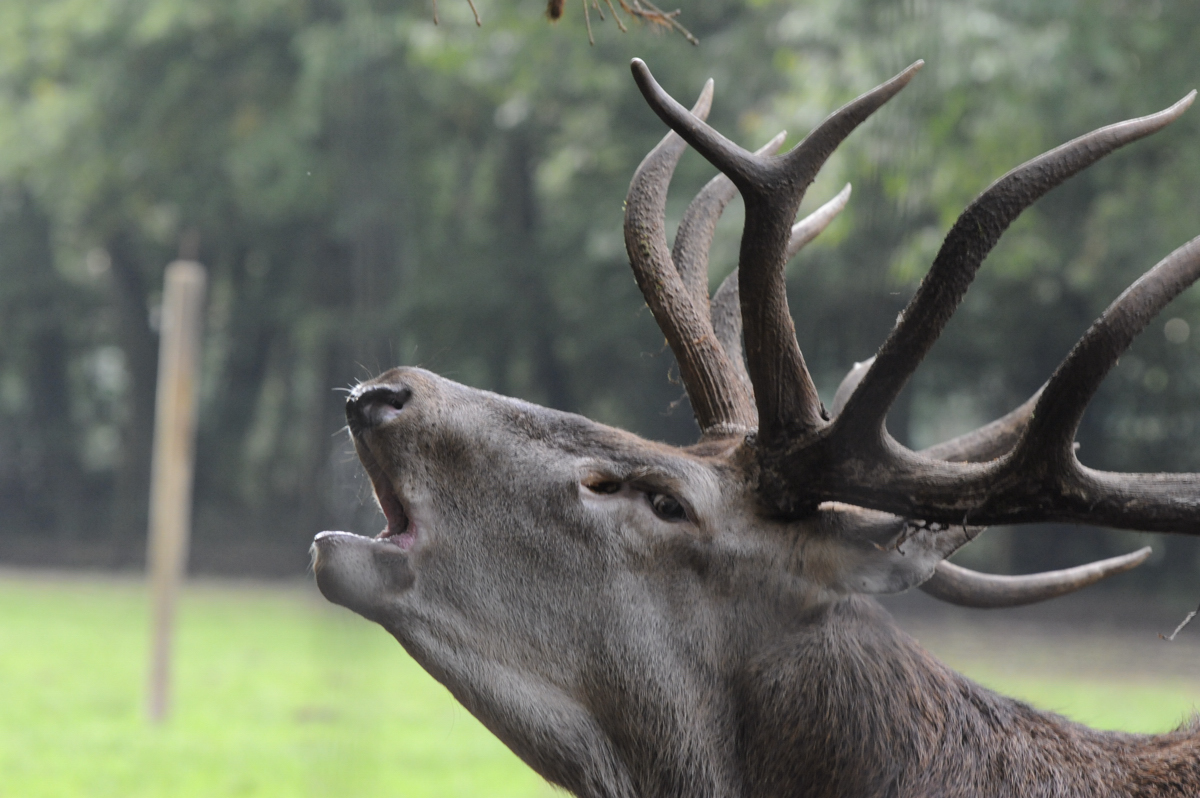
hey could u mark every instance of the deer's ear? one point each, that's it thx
(874, 552)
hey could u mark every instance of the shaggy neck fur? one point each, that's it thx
(853, 708)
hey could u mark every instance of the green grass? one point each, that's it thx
(277, 694)
(280, 694)
(1135, 703)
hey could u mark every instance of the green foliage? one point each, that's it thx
(369, 189)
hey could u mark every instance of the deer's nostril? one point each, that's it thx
(376, 405)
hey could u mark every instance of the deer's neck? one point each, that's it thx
(839, 705)
(853, 706)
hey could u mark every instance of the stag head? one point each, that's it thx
(619, 611)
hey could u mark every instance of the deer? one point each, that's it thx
(638, 619)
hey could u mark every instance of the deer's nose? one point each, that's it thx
(375, 405)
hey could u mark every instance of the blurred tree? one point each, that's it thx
(367, 189)
(370, 189)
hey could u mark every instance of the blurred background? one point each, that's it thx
(369, 189)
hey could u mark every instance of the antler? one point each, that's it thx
(957, 585)
(726, 302)
(772, 188)
(1029, 470)
(719, 399)
(705, 337)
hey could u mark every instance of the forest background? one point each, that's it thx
(368, 189)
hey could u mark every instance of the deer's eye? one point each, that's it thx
(604, 486)
(666, 507)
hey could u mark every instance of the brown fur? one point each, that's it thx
(728, 654)
(866, 712)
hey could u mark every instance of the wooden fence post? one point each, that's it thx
(172, 464)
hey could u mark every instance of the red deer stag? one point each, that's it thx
(635, 619)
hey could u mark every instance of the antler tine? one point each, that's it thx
(695, 234)
(811, 226)
(754, 174)
(957, 585)
(726, 307)
(963, 586)
(1039, 479)
(966, 245)
(721, 403)
(990, 441)
(692, 243)
(694, 238)
(789, 408)
(849, 384)
(1148, 502)
(722, 153)
(801, 164)
(1052, 432)
(967, 588)
(726, 312)
(786, 398)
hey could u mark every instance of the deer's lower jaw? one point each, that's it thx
(360, 573)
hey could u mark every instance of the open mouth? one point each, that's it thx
(400, 530)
